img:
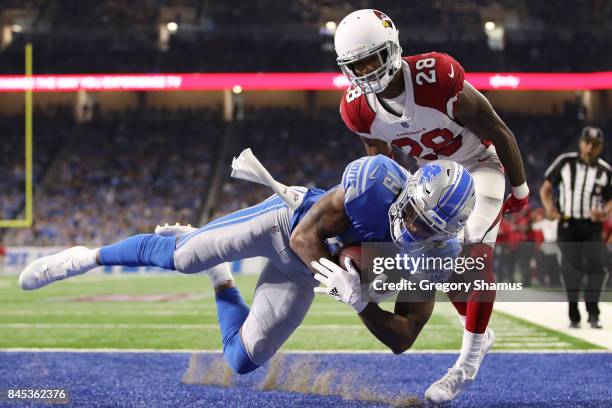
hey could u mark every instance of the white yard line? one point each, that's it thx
(518, 330)
(523, 344)
(518, 339)
(553, 315)
(161, 326)
(164, 326)
(73, 312)
(219, 351)
(502, 339)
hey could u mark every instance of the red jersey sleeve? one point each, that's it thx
(437, 80)
(355, 111)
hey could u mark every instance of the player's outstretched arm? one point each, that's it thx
(475, 112)
(398, 330)
(326, 219)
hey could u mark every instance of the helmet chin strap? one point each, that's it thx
(379, 80)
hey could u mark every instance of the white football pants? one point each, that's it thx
(284, 290)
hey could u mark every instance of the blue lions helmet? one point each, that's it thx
(434, 204)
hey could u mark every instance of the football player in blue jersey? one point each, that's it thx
(377, 201)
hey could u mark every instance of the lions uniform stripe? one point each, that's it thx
(237, 217)
(452, 201)
(351, 177)
(465, 183)
(449, 193)
(445, 197)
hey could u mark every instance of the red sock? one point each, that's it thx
(458, 298)
(478, 315)
(480, 303)
(460, 306)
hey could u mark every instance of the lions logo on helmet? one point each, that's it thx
(434, 205)
(429, 173)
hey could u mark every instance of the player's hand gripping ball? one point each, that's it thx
(344, 285)
(368, 285)
(348, 284)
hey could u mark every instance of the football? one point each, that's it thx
(353, 252)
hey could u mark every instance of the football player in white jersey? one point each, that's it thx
(422, 106)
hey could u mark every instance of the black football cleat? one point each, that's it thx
(594, 322)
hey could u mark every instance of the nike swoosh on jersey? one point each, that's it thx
(373, 173)
(452, 73)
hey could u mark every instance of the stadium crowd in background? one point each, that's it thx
(118, 174)
(124, 38)
(148, 184)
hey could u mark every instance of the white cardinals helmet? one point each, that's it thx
(362, 34)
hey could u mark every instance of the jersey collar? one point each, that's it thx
(408, 101)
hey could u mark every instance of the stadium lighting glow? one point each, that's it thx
(330, 25)
(16, 28)
(316, 81)
(489, 25)
(237, 89)
(172, 26)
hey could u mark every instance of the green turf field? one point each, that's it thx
(178, 312)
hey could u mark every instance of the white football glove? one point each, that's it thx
(378, 296)
(173, 230)
(344, 285)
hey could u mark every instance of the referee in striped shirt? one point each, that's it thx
(585, 198)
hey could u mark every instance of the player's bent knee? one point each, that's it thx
(186, 261)
(242, 367)
(237, 357)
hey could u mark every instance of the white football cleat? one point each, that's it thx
(448, 387)
(487, 346)
(173, 230)
(457, 379)
(48, 269)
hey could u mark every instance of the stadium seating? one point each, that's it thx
(309, 149)
(237, 36)
(50, 129)
(122, 174)
(163, 171)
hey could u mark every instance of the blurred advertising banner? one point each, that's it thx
(282, 81)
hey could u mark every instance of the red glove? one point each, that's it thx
(514, 205)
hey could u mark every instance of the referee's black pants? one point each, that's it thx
(581, 247)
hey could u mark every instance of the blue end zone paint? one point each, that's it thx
(150, 379)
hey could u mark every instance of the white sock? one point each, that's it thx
(462, 319)
(219, 274)
(470, 351)
(87, 261)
